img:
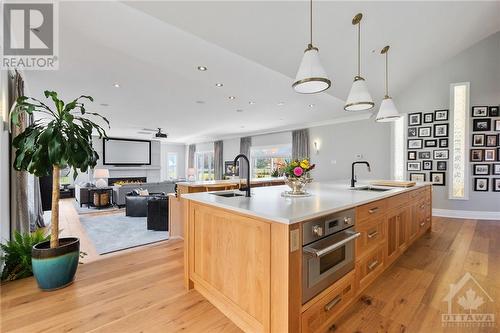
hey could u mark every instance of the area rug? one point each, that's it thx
(86, 210)
(110, 233)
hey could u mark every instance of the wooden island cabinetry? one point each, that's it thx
(250, 266)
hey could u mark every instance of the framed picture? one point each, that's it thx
(413, 166)
(424, 132)
(428, 118)
(443, 143)
(441, 154)
(424, 155)
(491, 140)
(481, 125)
(481, 184)
(228, 168)
(478, 140)
(427, 165)
(493, 111)
(497, 125)
(495, 184)
(430, 143)
(496, 169)
(440, 115)
(417, 177)
(412, 132)
(412, 155)
(415, 144)
(440, 130)
(481, 169)
(490, 155)
(480, 111)
(476, 155)
(441, 165)
(438, 178)
(415, 119)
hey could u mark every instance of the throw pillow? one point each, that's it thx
(143, 192)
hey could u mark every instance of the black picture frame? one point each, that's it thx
(412, 132)
(428, 118)
(493, 111)
(490, 155)
(479, 111)
(441, 165)
(475, 171)
(427, 165)
(481, 184)
(419, 143)
(415, 119)
(228, 168)
(440, 181)
(436, 153)
(443, 135)
(478, 140)
(495, 169)
(481, 125)
(441, 115)
(443, 143)
(495, 184)
(430, 143)
(412, 155)
(491, 140)
(477, 155)
(417, 177)
(418, 166)
(424, 155)
(422, 134)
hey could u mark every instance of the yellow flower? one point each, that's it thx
(294, 164)
(304, 164)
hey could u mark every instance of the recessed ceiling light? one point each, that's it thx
(239, 110)
(311, 105)
(281, 104)
(251, 102)
(281, 118)
(219, 84)
(242, 126)
(116, 85)
(104, 104)
(232, 97)
(200, 102)
(202, 68)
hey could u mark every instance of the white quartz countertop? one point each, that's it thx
(268, 203)
(230, 181)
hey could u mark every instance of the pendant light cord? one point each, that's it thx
(311, 21)
(359, 48)
(386, 74)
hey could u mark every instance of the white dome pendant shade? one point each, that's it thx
(359, 98)
(388, 111)
(311, 77)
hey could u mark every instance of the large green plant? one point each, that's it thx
(16, 254)
(61, 137)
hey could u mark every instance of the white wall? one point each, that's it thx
(479, 65)
(231, 148)
(4, 160)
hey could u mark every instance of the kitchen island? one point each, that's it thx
(278, 264)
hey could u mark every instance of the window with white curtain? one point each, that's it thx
(459, 104)
(398, 139)
(204, 161)
(172, 165)
(265, 160)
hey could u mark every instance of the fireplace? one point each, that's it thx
(126, 180)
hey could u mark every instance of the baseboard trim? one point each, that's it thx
(466, 214)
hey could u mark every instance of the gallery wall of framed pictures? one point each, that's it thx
(428, 146)
(485, 148)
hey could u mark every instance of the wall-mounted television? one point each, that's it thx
(126, 152)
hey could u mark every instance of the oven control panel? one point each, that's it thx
(326, 225)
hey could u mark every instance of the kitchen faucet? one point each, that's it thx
(353, 177)
(247, 188)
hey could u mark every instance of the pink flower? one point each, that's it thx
(298, 171)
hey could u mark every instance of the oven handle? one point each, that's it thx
(328, 249)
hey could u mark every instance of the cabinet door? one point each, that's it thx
(413, 223)
(392, 237)
(403, 220)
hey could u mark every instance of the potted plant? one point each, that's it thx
(297, 176)
(62, 137)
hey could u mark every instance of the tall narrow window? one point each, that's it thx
(172, 165)
(204, 165)
(398, 138)
(459, 104)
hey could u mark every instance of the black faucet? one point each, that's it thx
(353, 177)
(247, 188)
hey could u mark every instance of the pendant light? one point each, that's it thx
(311, 77)
(387, 111)
(359, 98)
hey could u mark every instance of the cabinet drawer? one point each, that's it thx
(372, 233)
(322, 313)
(369, 267)
(398, 200)
(373, 209)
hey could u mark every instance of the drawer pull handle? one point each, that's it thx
(422, 207)
(373, 234)
(428, 219)
(334, 302)
(373, 210)
(373, 265)
(422, 224)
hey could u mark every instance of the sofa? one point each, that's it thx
(120, 192)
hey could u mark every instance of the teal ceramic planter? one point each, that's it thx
(55, 268)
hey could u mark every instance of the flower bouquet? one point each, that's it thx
(297, 176)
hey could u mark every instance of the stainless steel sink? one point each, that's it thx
(371, 189)
(227, 194)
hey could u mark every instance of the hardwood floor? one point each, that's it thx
(142, 291)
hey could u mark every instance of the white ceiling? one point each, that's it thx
(152, 50)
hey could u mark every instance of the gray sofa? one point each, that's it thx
(120, 192)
